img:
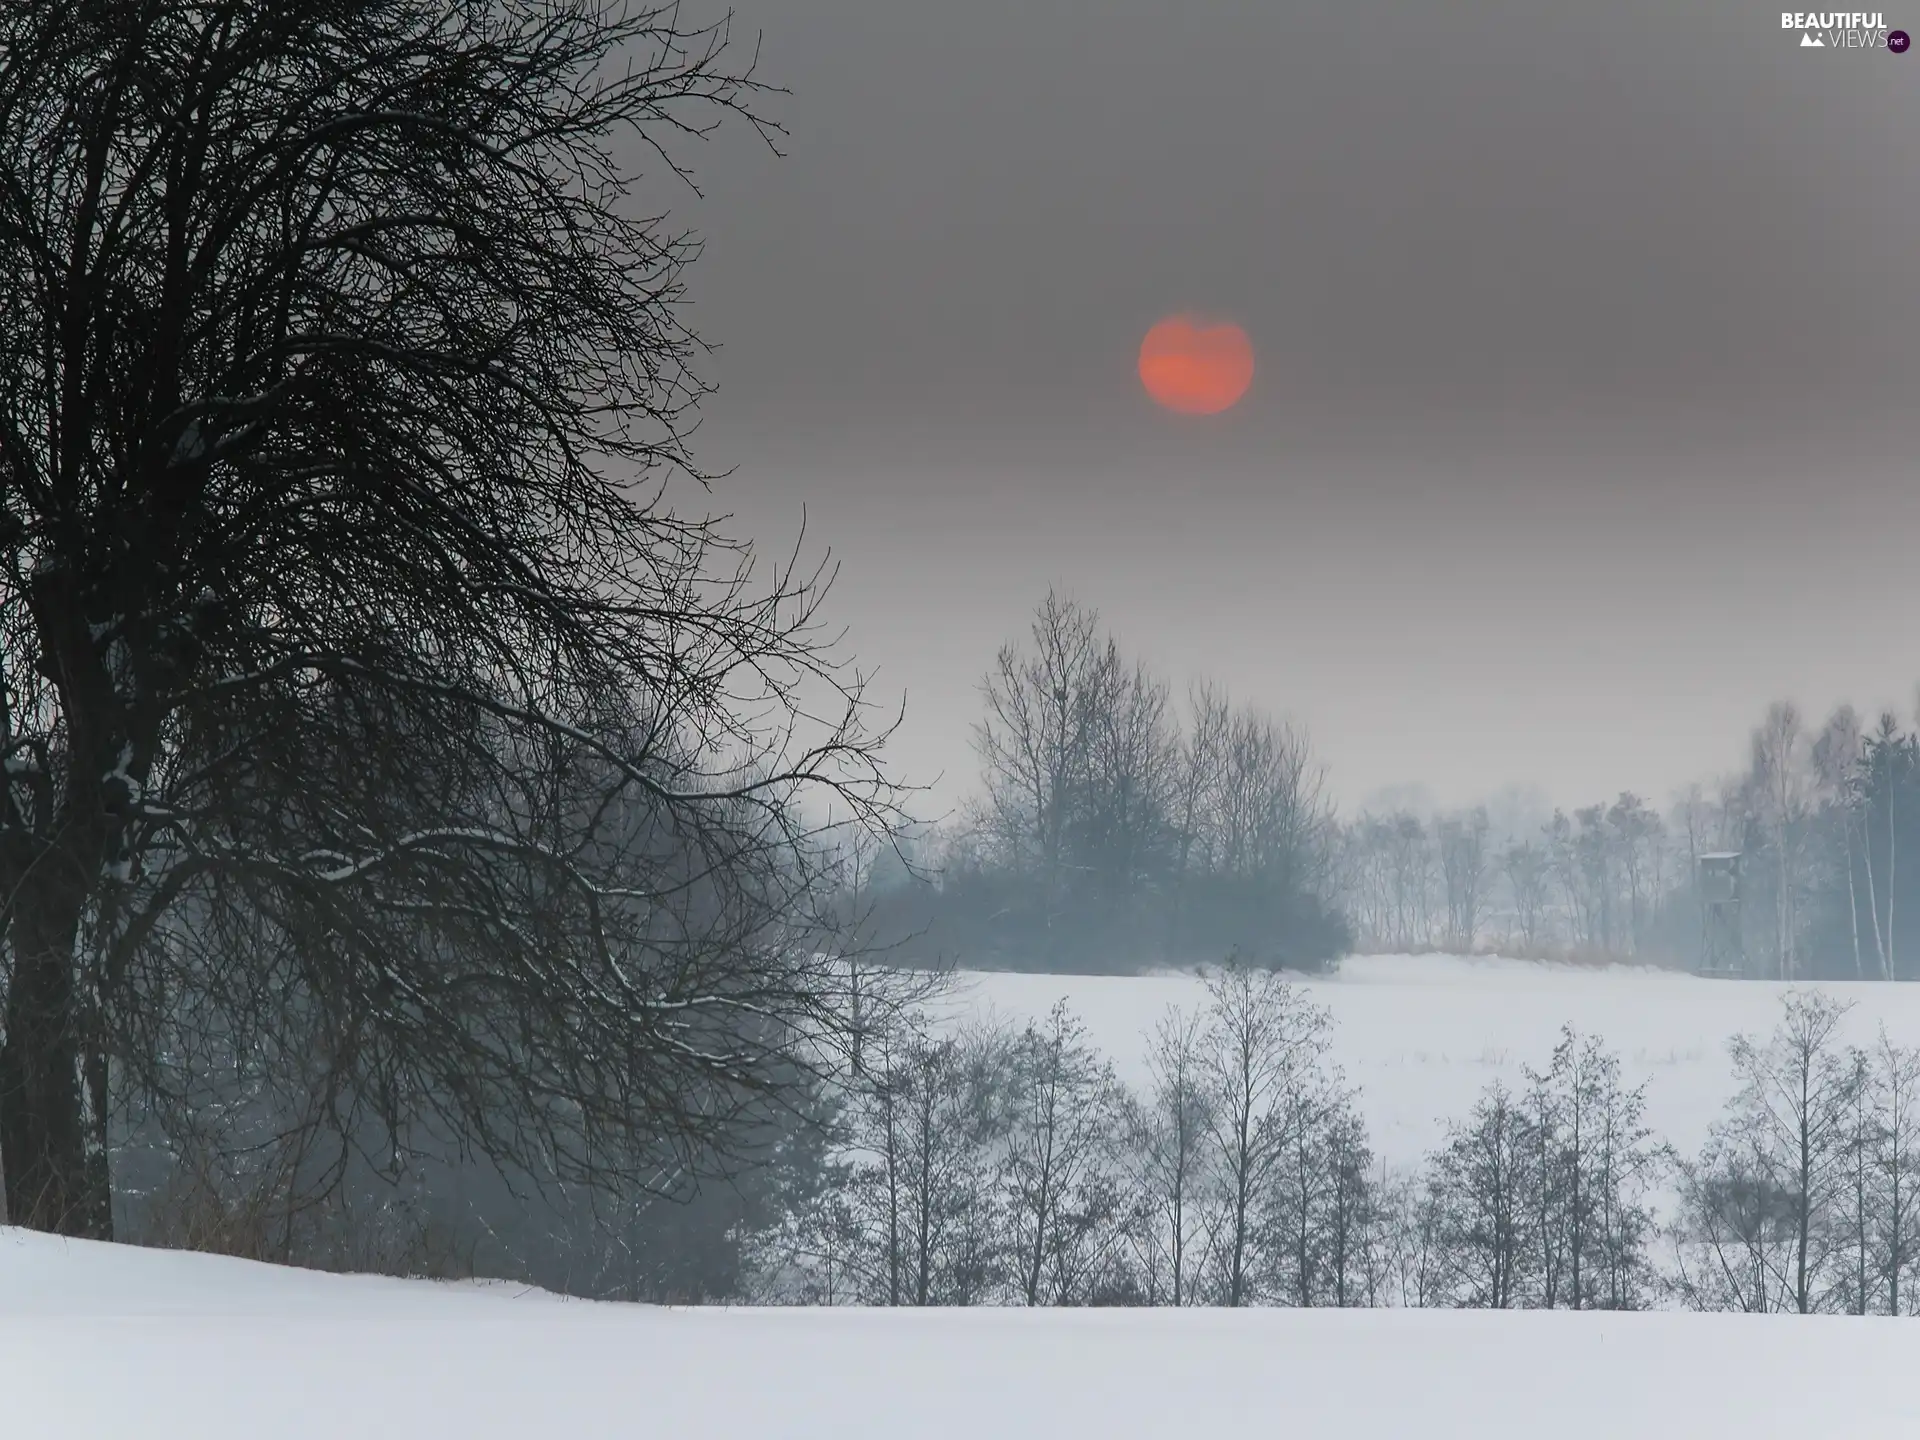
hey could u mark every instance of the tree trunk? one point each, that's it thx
(1179, 1233)
(52, 1077)
(1042, 1207)
(1783, 909)
(893, 1191)
(1853, 902)
(1873, 902)
(1893, 969)
(1803, 1209)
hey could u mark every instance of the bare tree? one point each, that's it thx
(1065, 1201)
(1572, 866)
(1263, 844)
(1035, 741)
(1527, 870)
(1855, 1280)
(1463, 868)
(1758, 1224)
(1887, 764)
(1595, 1161)
(1271, 813)
(1836, 758)
(1125, 838)
(362, 699)
(1263, 1041)
(1875, 1246)
(1636, 833)
(1411, 1268)
(1363, 885)
(1200, 765)
(1893, 1081)
(1410, 867)
(1316, 1215)
(938, 1122)
(1593, 875)
(1169, 1129)
(1353, 1229)
(1482, 1184)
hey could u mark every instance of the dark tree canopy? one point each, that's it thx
(372, 722)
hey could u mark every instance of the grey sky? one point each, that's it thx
(1586, 357)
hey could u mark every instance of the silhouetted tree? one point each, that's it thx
(1066, 1202)
(1484, 1189)
(366, 710)
(1167, 1132)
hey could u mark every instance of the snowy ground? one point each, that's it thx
(1422, 1034)
(100, 1340)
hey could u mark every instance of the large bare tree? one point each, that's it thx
(1043, 707)
(368, 712)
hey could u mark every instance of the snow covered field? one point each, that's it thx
(1422, 1034)
(100, 1340)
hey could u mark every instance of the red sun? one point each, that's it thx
(1195, 368)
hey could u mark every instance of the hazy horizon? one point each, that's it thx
(1585, 347)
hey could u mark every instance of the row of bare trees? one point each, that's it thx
(1117, 826)
(1826, 821)
(988, 1165)
(1594, 881)
(992, 1165)
(998, 1166)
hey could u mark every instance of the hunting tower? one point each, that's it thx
(1721, 950)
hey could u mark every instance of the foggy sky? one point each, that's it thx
(1586, 357)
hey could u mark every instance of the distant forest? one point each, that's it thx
(1114, 829)
(1117, 827)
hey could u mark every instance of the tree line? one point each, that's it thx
(1826, 822)
(988, 1164)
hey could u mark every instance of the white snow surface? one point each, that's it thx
(1422, 1035)
(101, 1340)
